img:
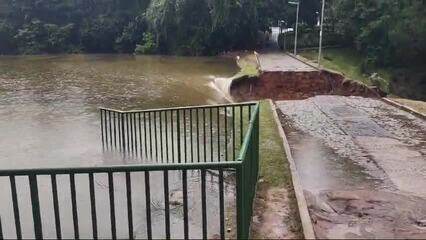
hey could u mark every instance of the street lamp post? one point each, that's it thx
(320, 40)
(297, 23)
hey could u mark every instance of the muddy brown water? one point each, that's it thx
(49, 118)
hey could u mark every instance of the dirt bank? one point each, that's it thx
(298, 85)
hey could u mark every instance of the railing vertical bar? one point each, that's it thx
(221, 205)
(132, 140)
(112, 204)
(74, 206)
(135, 133)
(123, 137)
(150, 135)
(161, 137)
(203, 203)
(106, 129)
(102, 128)
(241, 126)
(198, 134)
(184, 135)
(110, 128)
(103, 120)
(155, 137)
(226, 134)
(240, 203)
(233, 133)
(204, 135)
(129, 204)
(191, 138)
(128, 133)
(115, 129)
(218, 134)
(15, 207)
(1, 229)
(144, 132)
(178, 136)
(93, 206)
(211, 135)
(166, 203)
(172, 136)
(148, 206)
(35, 203)
(185, 204)
(140, 135)
(119, 130)
(56, 206)
(167, 136)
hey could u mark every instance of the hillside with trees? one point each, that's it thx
(184, 27)
(386, 32)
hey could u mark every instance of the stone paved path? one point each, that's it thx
(281, 62)
(344, 145)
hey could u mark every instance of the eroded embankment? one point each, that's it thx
(297, 85)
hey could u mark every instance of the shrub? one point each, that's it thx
(147, 46)
(7, 43)
(31, 38)
(99, 35)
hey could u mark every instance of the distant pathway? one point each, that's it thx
(272, 59)
(281, 62)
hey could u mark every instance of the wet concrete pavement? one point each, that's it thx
(354, 144)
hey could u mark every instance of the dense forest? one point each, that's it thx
(185, 27)
(387, 32)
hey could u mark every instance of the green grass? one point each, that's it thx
(419, 106)
(346, 61)
(404, 82)
(248, 66)
(275, 170)
(274, 167)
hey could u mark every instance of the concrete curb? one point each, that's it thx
(305, 61)
(308, 229)
(404, 107)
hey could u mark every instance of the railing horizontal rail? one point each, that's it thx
(121, 168)
(181, 108)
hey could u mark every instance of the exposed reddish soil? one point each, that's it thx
(298, 85)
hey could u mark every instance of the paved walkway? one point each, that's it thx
(281, 62)
(350, 144)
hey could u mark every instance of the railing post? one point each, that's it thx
(38, 232)
(1, 229)
(240, 203)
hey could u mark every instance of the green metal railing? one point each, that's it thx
(221, 139)
(185, 134)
